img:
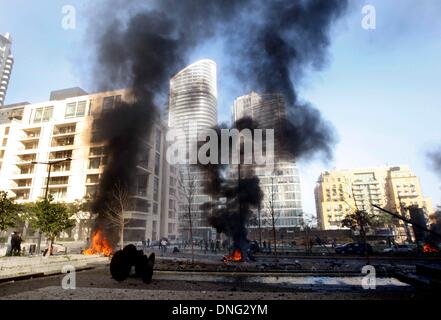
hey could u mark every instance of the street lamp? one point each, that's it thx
(46, 192)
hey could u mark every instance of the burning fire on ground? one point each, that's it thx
(99, 245)
(429, 248)
(235, 256)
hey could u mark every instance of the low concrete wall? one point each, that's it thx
(16, 267)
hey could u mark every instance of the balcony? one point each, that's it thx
(63, 130)
(28, 146)
(29, 135)
(60, 155)
(63, 141)
(22, 194)
(24, 169)
(21, 184)
(26, 158)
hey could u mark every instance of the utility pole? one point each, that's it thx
(403, 210)
(46, 191)
(260, 226)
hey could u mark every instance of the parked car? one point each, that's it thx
(354, 248)
(400, 248)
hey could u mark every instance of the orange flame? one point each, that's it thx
(236, 256)
(429, 249)
(99, 245)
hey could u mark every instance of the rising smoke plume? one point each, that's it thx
(435, 160)
(140, 46)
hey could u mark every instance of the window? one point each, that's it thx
(64, 141)
(157, 163)
(94, 163)
(64, 129)
(81, 109)
(156, 189)
(38, 115)
(144, 158)
(93, 178)
(58, 193)
(91, 191)
(70, 110)
(155, 208)
(6, 130)
(99, 151)
(58, 180)
(108, 103)
(5, 142)
(142, 185)
(43, 114)
(60, 154)
(158, 140)
(74, 109)
(47, 113)
(64, 166)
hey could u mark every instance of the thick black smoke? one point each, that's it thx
(435, 160)
(235, 191)
(277, 47)
(140, 46)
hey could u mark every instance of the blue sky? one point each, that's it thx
(380, 88)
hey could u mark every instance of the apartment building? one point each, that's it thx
(6, 64)
(64, 131)
(338, 192)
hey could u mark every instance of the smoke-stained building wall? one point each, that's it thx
(192, 109)
(283, 181)
(68, 128)
(6, 63)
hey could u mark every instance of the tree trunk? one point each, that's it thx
(191, 235)
(121, 235)
(50, 248)
(274, 234)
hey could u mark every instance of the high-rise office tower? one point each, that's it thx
(281, 184)
(193, 108)
(6, 62)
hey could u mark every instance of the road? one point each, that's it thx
(96, 284)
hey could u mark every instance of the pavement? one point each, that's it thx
(97, 284)
(21, 267)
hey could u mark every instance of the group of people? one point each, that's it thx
(14, 244)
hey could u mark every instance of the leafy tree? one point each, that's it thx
(359, 220)
(50, 218)
(9, 211)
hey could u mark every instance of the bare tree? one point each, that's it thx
(121, 202)
(273, 214)
(189, 186)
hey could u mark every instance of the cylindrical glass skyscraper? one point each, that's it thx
(192, 109)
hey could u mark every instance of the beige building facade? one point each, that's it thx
(338, 192)
(64, 128)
